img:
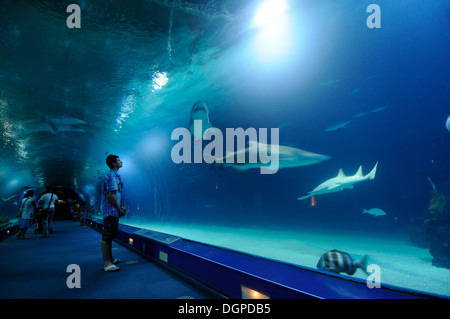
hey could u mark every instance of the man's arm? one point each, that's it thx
(41, 201)
(113, 199)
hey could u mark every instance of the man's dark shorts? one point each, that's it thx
(110, 228)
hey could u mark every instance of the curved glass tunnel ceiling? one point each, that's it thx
(124, 81)
(69, 96)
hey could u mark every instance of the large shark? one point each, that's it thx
(53, 125)
(341, 181)
(199, 112)
(285, 156)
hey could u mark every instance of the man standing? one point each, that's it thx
(47, 202)
(112, 210)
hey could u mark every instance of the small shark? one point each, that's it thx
(199, 112)
(286, 156)
(10, 198)
(380, 108)
(371, 77)
(329, 82)
(337, 126)
(361, 114)
(374, 212)
(65, 120)
(341, 182)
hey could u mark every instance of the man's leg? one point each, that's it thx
(110, 227)
(50, 219)
(44, 222)
(106, 252)
(20, 233)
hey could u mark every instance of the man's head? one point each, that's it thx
(113, 161)
(29, 193)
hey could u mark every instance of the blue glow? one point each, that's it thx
(153, 144)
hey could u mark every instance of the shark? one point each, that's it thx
(64, 120)
(329, 82)
(380, 108)
(341, 182)
(337, 126)
(53, 125)
(284, 156)
(199, 112)
(447, 124)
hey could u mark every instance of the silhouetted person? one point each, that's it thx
(76, 208)
(47, 202)
(112, 210)
(26, 213)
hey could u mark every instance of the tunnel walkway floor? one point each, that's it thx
(37, 268)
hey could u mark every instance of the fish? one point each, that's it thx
(52, 125)
(70, 128)
(337, 126)
(339, 261)
(199, 112)
(65, 120)
(374, 211)
(361, 114)
(64, 124)
(286, 156)
(380, 108)
(10, 198)
(431, 183)
(329, 82)
(447, 124)
(341, 182)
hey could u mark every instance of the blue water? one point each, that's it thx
(325, 66)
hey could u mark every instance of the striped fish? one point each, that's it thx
(339, 261)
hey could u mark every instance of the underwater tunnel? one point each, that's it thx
(256, 137)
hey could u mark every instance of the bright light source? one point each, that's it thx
(163, 256)
(274, 43)
(159, 80)
(269, 11)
